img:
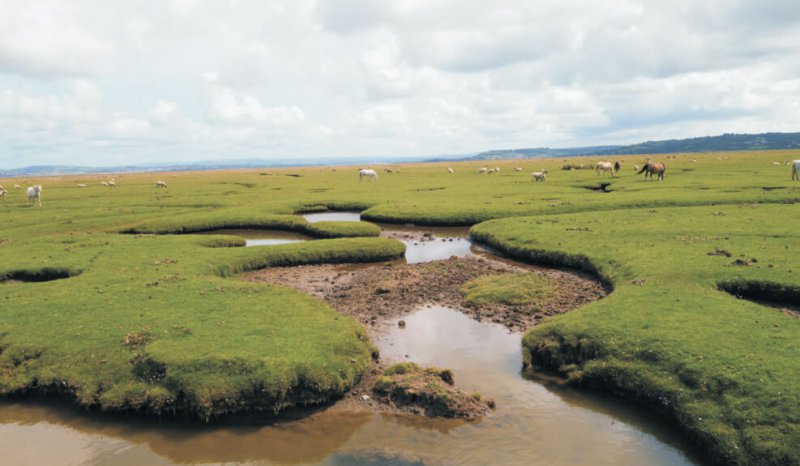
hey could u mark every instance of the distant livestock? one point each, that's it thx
(161, 184)
(80, 185)
(518, 169)
(449, 170)
(483, 170)
(112, 183)
(604, 167)
(796, 170)
(35, 194)
(653, 167)
(104, 183)
(617, 166)
(367, 173)
(539, 176)
(3, 193)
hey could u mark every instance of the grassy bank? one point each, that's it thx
(159, 323)
(726, 370)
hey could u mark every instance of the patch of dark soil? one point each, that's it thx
(720, 252)
(773, 188)
(34, 276)
(372, 294)
(430, 391)
(785, 298)
(600, 188)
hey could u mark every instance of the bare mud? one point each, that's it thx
(377, 295)
(372, 294)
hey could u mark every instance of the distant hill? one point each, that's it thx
(725, 142)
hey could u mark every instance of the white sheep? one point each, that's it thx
(539, 176)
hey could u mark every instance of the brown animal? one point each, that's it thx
(653, 167)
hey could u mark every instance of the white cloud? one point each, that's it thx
(120, 81)
(232, 107)
(128, 127)
(44, 40)
(79, 104)
(163, 110)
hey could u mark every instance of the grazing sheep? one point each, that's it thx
(161, 184)
(491, 170)
(112, 183)
(35, 194)
(80, 185)
(449, 170)
(497, 169)
(483, 170)
(104, 183)
(539, 176)
(518, 169)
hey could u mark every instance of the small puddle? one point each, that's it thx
(426, 244)
(262, 237)
(333, 217)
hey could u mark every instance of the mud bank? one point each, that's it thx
(371, 294)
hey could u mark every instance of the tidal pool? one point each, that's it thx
(333, 217)
(262, 237)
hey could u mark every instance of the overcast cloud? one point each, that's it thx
(106, 83)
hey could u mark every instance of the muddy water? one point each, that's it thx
(534, 424)
(262, 237)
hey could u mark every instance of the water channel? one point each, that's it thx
(535, 423)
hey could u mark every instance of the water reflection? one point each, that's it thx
(254, 237)
(333, 217)
(534, 423)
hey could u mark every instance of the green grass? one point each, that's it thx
(509, 288)
(160, 323)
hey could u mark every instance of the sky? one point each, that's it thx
(106, 83)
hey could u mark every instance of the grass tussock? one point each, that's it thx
(509, 288)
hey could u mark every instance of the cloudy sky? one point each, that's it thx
(112, 82)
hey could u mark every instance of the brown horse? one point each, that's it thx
(653, 167)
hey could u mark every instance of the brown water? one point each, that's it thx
(535, 422)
